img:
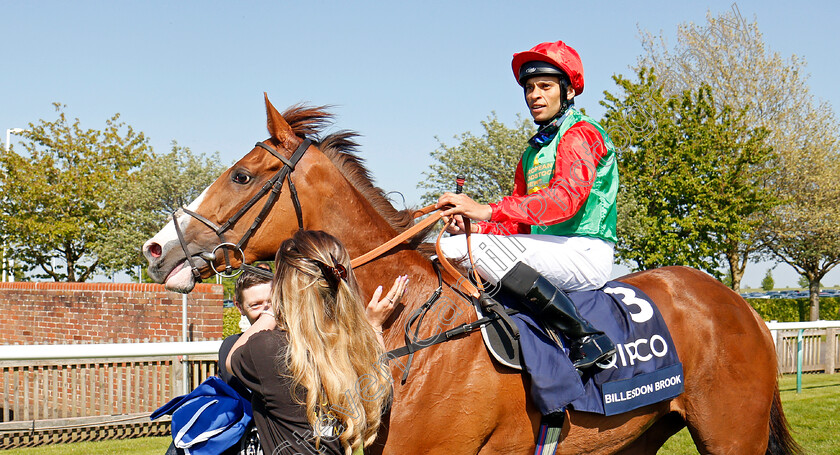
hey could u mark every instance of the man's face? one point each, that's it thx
(254, 300)
(542, 94)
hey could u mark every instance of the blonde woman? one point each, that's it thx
(314, 359)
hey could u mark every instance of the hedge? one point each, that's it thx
(230, 324)
(795, 310)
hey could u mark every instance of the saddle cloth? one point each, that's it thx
(644, 370)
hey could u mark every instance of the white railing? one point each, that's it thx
(103, 351)
(50, 391)
(806, 346)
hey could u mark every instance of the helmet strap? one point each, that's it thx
(566, 102)
(547, 131)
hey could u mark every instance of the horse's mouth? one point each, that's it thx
(180, 278)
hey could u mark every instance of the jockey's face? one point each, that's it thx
(542, 94)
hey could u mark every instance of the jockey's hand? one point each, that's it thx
(463, 205)
(458, 226)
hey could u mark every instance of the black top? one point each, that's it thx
(226, 375)
(280, 420)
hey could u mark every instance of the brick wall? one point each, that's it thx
(49, 313)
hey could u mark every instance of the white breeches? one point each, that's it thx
(570, 263)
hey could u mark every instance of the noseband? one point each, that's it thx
(274, 185)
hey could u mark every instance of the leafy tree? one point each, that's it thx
(803, 231)
(726, 279)
(488, 161)
(728, 53)
(60, 196)
(805, 283)
(767, 283)
(166, 183)
(688, 167)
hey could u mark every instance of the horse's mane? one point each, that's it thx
(342, 149)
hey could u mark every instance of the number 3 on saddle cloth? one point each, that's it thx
(644, 370)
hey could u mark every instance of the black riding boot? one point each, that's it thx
(588, 344)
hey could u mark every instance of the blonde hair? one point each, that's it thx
(332, 347)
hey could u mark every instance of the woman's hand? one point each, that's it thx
(378, 311)
(266, 320)
(462, 205)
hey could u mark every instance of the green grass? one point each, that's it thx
(139, 446)
(814, 416)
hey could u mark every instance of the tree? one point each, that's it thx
(59, 197)
(488, 162)
(805, 283)
(728, 53)
(166, 183)
(767, 283)
(804, 231)
(688, 167)
(726, 279)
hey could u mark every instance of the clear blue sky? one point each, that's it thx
(399, 73)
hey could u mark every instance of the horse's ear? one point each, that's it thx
(278, 128)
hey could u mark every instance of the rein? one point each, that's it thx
(456, 281)
(452, 273)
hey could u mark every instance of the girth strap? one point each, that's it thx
(489, 305)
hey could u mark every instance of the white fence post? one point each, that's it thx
(185, 383)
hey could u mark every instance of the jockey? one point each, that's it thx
(557, 231)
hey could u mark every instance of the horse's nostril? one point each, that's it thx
(155, 250)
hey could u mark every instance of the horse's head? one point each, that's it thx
(221, 228)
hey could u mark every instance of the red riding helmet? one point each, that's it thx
(558, 54)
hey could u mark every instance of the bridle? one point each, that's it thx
(274, 185)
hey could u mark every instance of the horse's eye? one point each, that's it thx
(241, 178)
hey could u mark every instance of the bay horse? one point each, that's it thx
(456, 399)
